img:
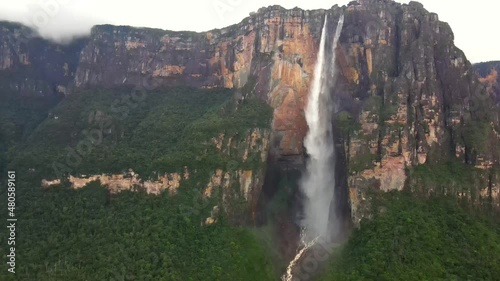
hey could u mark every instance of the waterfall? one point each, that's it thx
(318, 182)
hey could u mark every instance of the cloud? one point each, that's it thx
(56, 20)
(58, 29)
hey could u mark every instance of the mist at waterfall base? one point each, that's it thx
(318, 182)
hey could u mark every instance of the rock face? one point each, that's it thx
(127, 182)
(34, 66)
(274, 50)
(413, 96)
(405, 95)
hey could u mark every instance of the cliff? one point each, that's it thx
(32, 66)
(415, 100)
(405, 97)
(274, 50)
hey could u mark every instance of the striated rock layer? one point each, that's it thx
(414, 98)
(274, 50)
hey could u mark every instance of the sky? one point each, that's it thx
(473, 22)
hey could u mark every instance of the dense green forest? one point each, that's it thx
(19, 116)
(414, 238)
(85, 235)
(91, 234)
(88, 235)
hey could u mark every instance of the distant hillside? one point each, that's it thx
(489, 76)
(484, 68)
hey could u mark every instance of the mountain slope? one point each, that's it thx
(488, 71)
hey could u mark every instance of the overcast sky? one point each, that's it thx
(475, 23)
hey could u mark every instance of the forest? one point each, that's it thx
(90, 234)
(417, 238)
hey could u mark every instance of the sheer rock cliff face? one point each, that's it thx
(274, 50)
(31, 66)
(405, 95)
(416, 100)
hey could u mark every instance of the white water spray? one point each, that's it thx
(318, 183)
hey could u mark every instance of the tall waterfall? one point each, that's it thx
(318, 182)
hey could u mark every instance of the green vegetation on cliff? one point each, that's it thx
(19, 116)
(154, 132)
(449, 178)
(91, 234)
(412, 238)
